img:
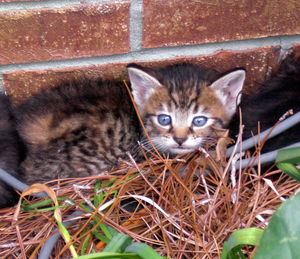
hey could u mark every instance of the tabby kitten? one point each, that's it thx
(278, 95)
(84, 128)
(10, 148)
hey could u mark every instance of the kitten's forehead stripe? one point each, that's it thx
(173, 99)
(205, 109)
(192, 101)
(196, 108)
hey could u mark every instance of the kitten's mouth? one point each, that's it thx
(181, 150)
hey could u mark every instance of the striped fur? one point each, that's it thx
(84, 128)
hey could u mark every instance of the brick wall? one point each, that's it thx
(44, 42)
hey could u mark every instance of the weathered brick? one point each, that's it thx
(257, 62)
(181, 22)
(63, 33)
(21, 84)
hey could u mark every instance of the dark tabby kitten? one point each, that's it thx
(278, 95)
(83, 128)
(9, 150)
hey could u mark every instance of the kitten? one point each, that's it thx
(278, 95)
(83, 128)
(9, 151)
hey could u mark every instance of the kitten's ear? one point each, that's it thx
(142, 84)
(228, 89)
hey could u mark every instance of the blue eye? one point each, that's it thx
(164, 119)
(199, 121)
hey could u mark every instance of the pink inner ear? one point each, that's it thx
(142, 84)
(236, 84)
(230, 84)
(228, 88)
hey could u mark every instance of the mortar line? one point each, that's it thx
(1, 83)
(136, 24)
(157, 54)
(16, 6)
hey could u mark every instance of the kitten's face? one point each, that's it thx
(179, 111)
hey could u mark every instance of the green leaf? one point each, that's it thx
(98, 198)
(290, 169)
(287, 159)
(40, 206)
(85, 207)
(109, 255)
(98, 185)
(64, 232)
(103, 232)
(118, 243)
(85, 244)
(143, 250)
(282, 237)
(108, 231)
(101, 237)
(246, 236)
(290, 155)
(44, 210)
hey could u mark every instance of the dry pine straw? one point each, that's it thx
(194, 211)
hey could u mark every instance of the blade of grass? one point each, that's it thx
(143, 250)
(85, 244)
(109, 255)
(108, 231)
(118, 243)
(247, 236)
(37, 188)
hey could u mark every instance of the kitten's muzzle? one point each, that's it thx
(180, 140)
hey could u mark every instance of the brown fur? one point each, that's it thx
(84, 128)
(10, 148)
(213, 105)
(77, 129)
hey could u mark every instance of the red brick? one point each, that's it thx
(22, 84)
(257, 62)
(181, 22)
(64, 33)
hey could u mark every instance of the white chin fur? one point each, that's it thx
(169, 146)
(181, 151)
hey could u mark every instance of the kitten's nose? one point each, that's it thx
(179, 140)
